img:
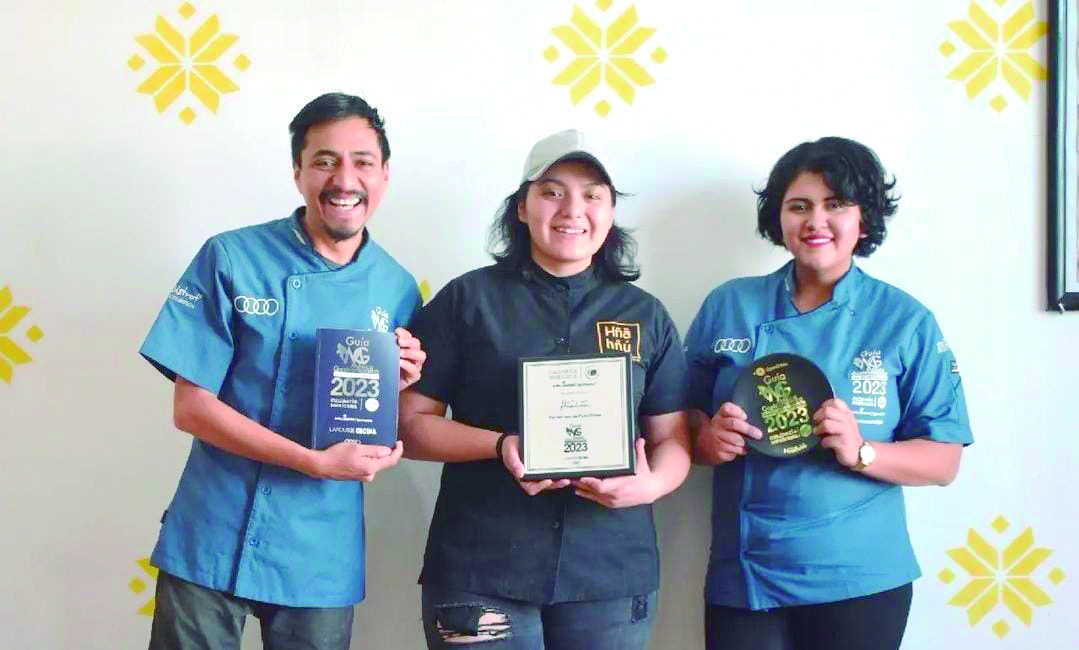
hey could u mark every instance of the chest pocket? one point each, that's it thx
(726, 373)
(257, 316)
(626, 337)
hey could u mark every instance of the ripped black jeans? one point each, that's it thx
(459, 619)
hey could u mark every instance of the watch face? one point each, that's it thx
(780, 393)
(866, 454)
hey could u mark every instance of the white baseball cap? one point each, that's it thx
(564, 145)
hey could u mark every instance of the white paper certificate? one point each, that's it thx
(576, 416)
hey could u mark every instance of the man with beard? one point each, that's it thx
(261, 524)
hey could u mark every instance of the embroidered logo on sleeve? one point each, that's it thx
(614, 336)
(182, 295)
(869, 388)
(380, 320)
(942, 346)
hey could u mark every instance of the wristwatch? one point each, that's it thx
(866, 456)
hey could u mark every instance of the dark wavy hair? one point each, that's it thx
(510, 243)
(850, 169)
(335, 106)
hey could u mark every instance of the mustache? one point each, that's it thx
(326, 195)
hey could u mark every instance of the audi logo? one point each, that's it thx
(256, 306)
(731, 345)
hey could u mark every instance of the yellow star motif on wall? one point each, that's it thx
(1000, 577)
(137, 585)
(11, 353)
(998, 50)
(188, 63)
(603, 55)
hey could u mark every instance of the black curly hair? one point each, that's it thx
(850, 169)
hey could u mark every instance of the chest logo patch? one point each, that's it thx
(731, 345)
(380, 320)
(256, 306)
(613, 336)
(869, 388)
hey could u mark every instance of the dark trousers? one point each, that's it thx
(190, 617)
(454, 619)
(874, 622)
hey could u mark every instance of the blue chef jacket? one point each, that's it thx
(241, 323)
(807, 530)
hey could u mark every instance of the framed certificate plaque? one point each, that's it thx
(576, 416)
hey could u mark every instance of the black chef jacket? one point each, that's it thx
(487, 536)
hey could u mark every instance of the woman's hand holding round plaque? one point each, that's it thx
(780, 393)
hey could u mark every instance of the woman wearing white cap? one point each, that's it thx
(553, 564)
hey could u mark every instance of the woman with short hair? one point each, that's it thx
(812, 551)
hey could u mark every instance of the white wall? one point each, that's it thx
(104, 201)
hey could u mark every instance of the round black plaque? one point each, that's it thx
(780, 393)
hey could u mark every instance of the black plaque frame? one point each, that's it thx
(631, 428)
